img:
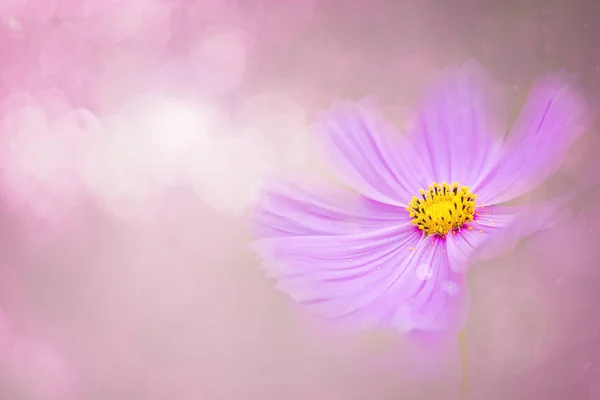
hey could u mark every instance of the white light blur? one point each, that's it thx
(114, 167)
(227, 177)
(277, 123)
(174, 132)
(149, 150)
(33, 169)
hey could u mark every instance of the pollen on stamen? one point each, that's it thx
(442, 208)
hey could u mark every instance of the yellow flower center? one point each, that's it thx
(442, 208)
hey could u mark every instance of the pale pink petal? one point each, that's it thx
(285, 209)
(498, 228)
(459, 125)
(489, 224)
(391, 277)
(553, 117)
(440, 301)
(370, 156)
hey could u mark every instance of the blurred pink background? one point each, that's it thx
(133, 134)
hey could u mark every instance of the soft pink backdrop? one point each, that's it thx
(132, 136)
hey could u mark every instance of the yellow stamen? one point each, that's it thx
(442, 208)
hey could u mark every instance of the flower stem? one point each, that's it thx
(464, 366)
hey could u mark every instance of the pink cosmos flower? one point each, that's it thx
(393, 250)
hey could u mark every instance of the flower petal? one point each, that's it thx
(441, 301)
(285, 209)
(460, 124)
(554, 116)
(489, 225)
(498, 228)
(370, 279)
(370, 156)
